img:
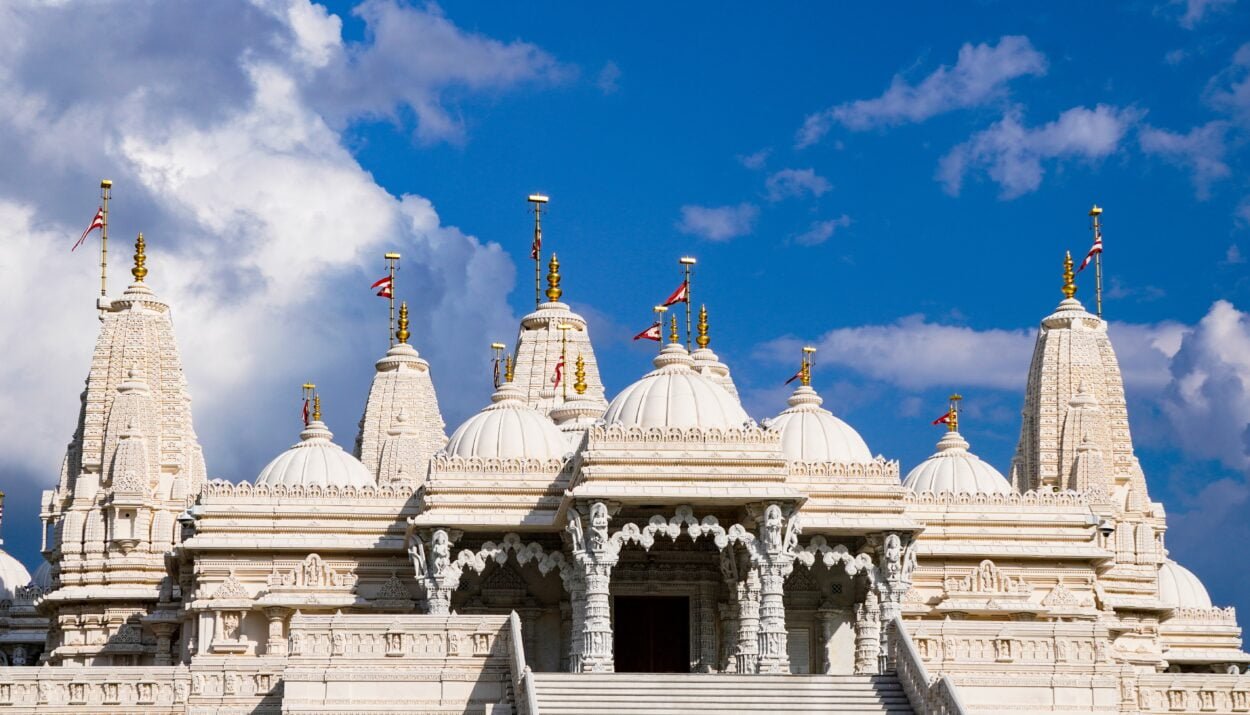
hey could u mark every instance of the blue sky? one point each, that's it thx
(894, 183)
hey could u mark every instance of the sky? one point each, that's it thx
(893, 183)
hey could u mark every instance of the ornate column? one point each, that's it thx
(576, 585)
(596, 652)
(436, 570)
(896, 560)
(163, 632)
(773, 561)
(825, 617)
(566, 636)
(867, 635)
(594, 555)
(747, 653)
(276, 643)
(729, 635)
(707, 628)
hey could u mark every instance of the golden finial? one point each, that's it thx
(140, 270)
(952, 425)
(672, 330)
(553, 279)
(580, 374)
(507, 368)
(703, 340)
(316, 408)
(402, 334)
(1069, 287)
(805, 374)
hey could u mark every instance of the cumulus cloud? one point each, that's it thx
(755, 161)
(1208, 399)
(795, 183)
(1229, 90)
(262, 228)
(822, 231)
(1196, 10)
(980, 75)
(718, 223)
(609, 78)
(1012, 154)
(1202, 151)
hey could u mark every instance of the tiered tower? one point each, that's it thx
(133, 465)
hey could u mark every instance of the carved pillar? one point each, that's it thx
(566, 637)
(729, 636)
(707, 628)
(896, 560)
(867, 635)
(594, 555)
(826, 618)
(577, 622)
(596, 652)
(529, 637)
(163, 632)
(435, 570)
(276, 643)
(748, 647)
(773, 657)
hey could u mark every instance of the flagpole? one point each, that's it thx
(106, 192)
(564, 365)
(1094, 213)
(659, 311)
(536, 248)
(392, 261)
(497, 350)
(687, 262)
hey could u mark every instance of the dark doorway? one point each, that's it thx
(652, 634)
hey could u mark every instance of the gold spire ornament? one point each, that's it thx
(952, 423)
(580, 374)
(316, 415)
(673, 337)
(507, 368)
(703, 340)
(140, 270)
(1069, 278)
(402, 334)
(553, 279)
(805, 374)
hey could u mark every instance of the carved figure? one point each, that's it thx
(574, 529)
(416, 552)
(772, 529)
(19, 655)
(440, 545)
(892, 556)
(598, 526)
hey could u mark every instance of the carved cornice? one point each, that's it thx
(615, 433)
(223, 490)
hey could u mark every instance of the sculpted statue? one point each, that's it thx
(19, 655)
(574, 529)
(440, 544)
(772, 529)
(416, 552)
(892, 556)
(598, 526)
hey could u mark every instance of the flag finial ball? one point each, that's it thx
(140, 271)
(553, 279)
(703, 340)
(580, 374)
(402, 334)
(1069, 278)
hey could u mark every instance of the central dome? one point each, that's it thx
(508, 429)
(810, 433)
(315, 460)
(674, 395)
(954, 469)
(13, 575)
(1180, 588)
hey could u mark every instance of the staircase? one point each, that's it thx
(680, 694)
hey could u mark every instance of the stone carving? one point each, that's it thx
(230, 589)
(311, 574)
(987, 578)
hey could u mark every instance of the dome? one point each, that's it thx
(508, 429)
(1180, 588)
(954, 469)
(674, 395)
(315, 460)
(43, 576)
(810, 433)
(13, 575)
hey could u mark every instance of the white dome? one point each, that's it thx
(315, 460)
(954, 469)
(13, 575)
(674, 395)
(508, 429)
(810, 433)
(43, 576)
(1180, 588)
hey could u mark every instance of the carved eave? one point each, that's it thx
(483, 494)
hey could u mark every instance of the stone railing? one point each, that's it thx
(1192, 693)
(1030, 498)
(88, 690)
(220, 490)
(927, 695)
(745, 435)
(522, 678)
(878, 468)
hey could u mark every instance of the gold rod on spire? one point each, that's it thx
(805, 374)
(316, 414)
(703, 340)
(1095, 213)
(536, 248)
(392, 263)
(673, 336)
(1069, 278)
(496, 361)
(140, 271)
(687, 262)
(952, 424)
(580, 386)
(106, 193)
(553, 279)
(508, 366)
(564, 354)
(402, 334)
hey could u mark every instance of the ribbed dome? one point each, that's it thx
(12, 575)
(810, 433)
(43, 576)
(315, 459)
(674, 395)
(1180, 588)
(508, 429)
(954, 469)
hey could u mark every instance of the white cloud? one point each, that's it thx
(822, 231)
(1202, 151)
(795, 183)
(1011, 154)
(1233, 256)
(609, 78)
(756, 160)
(718, 223)
(263, 230)
(1229, 90)
(1208, 398)
(1196, 10)
(980, 75)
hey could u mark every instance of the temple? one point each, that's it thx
(566, 550)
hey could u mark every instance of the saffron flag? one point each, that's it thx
(559, 372)
(795, 376)
(944, 419)
(384, 285)
(97, 222)
(305, 412)
(679, 295)
(537, 246)
(651, 333)
(1093, 251)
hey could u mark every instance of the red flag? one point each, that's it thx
(559, 371)
(384, 284)
(679, 295)
(795, 376)
(496, 373)
(537, 245)
(305, 412)
(97, 222)
(1093, 251)
(944, 419)
(651, 333)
